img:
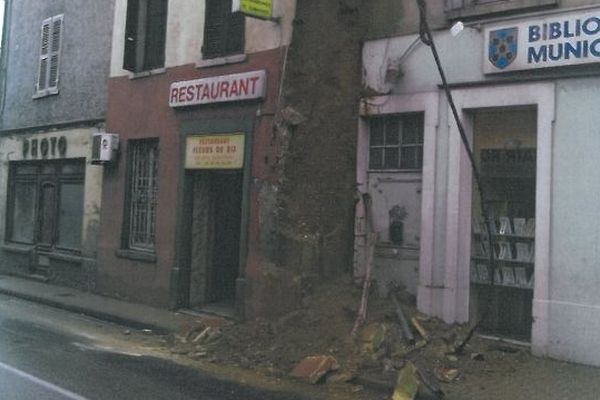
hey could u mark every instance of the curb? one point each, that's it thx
(120, 320)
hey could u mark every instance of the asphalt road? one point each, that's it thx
(47, 354)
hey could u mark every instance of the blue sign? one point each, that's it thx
(502, 48)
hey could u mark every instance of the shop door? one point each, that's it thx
(505, 151)
(216, 226)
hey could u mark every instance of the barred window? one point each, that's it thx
(143, 194)
(396, 142)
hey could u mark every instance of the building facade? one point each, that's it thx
(193, 93)
(53, 99)
(524, 76)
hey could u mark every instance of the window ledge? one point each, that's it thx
(214, 62)
(136, 255)
(145, 74)
(17, 248)
(72, 258)
(45, 93)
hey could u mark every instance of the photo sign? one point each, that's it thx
(255, 8)
(215, 151)
(551, 41)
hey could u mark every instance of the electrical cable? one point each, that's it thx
(427, 39)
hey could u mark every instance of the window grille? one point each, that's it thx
(396, 142)
(143, 194)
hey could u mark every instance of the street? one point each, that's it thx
(51, 354)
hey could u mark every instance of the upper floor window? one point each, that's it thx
(145, 33)
(223, 30)
(49, 60)
(479, 8)
(396, 142)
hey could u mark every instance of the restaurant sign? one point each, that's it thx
(551, 41)
(235, 87)
(215, 151)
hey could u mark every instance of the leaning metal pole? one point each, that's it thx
(427, 39)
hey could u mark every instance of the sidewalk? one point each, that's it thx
(133, 315)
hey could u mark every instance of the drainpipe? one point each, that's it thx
(4, 57)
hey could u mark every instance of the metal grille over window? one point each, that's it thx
(143, 195)
(396, 142)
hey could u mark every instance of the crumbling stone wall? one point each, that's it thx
(321, 89)
(307, 217)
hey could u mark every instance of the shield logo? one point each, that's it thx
(502, 49)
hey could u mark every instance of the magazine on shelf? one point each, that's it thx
(521, 277)
(519, 224)
(508, 276)
(504, 251)
(505, 228)
(483, 273)
(523, 251)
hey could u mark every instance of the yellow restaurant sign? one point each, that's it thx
(255, 8)
(215, 151)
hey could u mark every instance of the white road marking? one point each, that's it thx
(42, 383)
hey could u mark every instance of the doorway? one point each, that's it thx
(504, 143)
(215, 237)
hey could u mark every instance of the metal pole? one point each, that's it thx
(427, 38)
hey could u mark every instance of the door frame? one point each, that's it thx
(181, 272)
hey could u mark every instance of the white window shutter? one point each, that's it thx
(42, 81)
(55, 46)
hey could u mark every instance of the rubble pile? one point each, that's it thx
(398, 349)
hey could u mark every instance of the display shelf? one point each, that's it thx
(502, 261)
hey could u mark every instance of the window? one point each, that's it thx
(49, 60)
(142, 195)
(145, 33)
(223, 30)
(478, 8)
(396, 142)
(46, 203)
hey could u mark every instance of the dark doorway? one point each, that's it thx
(226, 191)
(215, 234)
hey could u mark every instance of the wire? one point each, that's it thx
(427, 39)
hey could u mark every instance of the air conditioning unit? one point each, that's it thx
(104, 148)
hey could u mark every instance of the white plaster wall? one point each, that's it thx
(574, 298)
(185, 32)
(78, 146)
(566, 306)
(265, 35)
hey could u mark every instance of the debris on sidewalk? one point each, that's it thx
(315, 368)
(314, 344)
(408, 383)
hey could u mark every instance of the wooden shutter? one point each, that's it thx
(131, 36)
(214, 27)
(42, 81)
(156, 24)
(55, 46)
(235, 33)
